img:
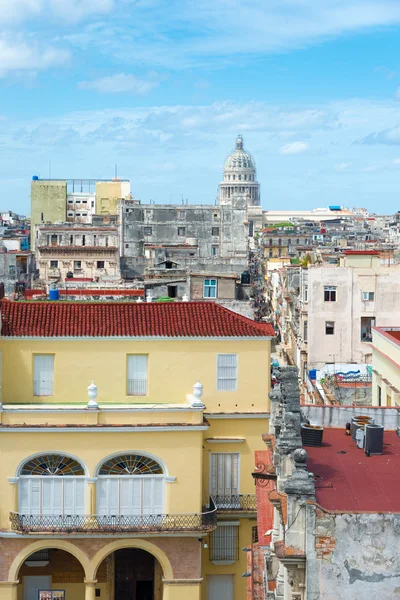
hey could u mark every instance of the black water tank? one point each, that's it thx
(311, 435)
(373, 439)
(245, 278)
(70, 275)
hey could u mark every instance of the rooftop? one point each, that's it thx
(126, 319)
(390, 333)
(349, 481)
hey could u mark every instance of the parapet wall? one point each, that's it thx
(338, 416)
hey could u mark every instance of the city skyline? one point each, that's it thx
(163, 91)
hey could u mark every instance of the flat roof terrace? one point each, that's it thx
(346, 480)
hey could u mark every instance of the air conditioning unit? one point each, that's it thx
(373, 443)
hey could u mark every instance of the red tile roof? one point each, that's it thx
(347, 480)
(365, 252)
(169, 319)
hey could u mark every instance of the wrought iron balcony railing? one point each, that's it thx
(242, 502)
(66, 524)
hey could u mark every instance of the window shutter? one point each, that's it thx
(69, 497)
(112, 500)
(136, 496)
(34, 485)
(235, 473)
(158, 502)
(47, 496)
(24, 489)
(137, 374)
(148, 497)
(80, 487)
(57, 508)
(43, 374)
(227, 372)
(125, 495)
(101, 493)
(213, 478)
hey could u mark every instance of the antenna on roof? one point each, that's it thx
(116, 171)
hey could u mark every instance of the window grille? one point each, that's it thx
(137, 374)
(225, 543)
(329, 293)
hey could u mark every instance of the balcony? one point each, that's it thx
(236, 502)
(112, 524)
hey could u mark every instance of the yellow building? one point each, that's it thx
(108, 195)
(386, 366)
(48, 203)
(137, 486)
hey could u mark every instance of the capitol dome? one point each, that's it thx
(239, 159)
(239, 176)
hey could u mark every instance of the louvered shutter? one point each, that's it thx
(137, 374)
(125, 485)
(43, 374)
(227, 372)
(24, 493)
(220, 587)
(80, 488)
(113, 497)
(58, 496)
(235, 473)
(147, 494)
(158, 496)
(47, 496)
(136, 496)
(213, 475)
(34, 485)
(102, 494)
(69, 497)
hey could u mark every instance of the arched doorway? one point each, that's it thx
(53, 574)
(132, 574)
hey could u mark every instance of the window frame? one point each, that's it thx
(35, 356)
(131, 380)
(100, 261)
(328, 291)
(215, 231)
(328, 324)
(230, 552)
(182, 231)
(52, 266)
(147, 230)
(367, 296)
(219, 378)
(210, 287)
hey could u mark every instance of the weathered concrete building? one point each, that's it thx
(72, 250)
(333, 533)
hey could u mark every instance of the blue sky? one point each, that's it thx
(162, 87)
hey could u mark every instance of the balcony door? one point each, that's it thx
(130, 484)
(52, 485)
(224, 478)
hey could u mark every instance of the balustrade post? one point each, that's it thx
(90, 589)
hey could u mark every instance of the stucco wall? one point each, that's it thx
(50, 199)
(356, 556)
(338, 416)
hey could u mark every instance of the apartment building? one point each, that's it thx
(128, 433)
(345, 302)
(77, 251)
(386, 366)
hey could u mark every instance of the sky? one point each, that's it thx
(161, 88)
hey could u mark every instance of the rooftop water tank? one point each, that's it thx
(35, 178)
(54, 294)
(373, 439)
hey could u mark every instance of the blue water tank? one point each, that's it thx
(334, 208)
(54, 294)
(313, 373)
(35, 178)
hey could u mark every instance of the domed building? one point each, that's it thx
(240, 176)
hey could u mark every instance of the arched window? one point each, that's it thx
(51, 484)
(130, 484)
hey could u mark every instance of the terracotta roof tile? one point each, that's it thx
(126, 319)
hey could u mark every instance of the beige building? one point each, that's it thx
(344, 303)
(386, 366)
(48, 203)
(70, 251)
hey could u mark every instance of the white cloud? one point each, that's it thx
(294, 148)
(122, 83)
(388, 137)
(18, 55)
(15, 11)
(160, 33)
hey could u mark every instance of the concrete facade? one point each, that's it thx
(198, 238)
(48, 203)
(366, 294)
(85, 251)
(386, 366)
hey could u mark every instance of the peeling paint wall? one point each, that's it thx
(354, 556)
